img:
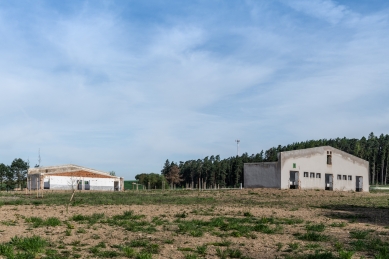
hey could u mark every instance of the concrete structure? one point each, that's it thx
(313, 168)
(72, 177)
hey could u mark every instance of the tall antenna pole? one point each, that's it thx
(237, 146)
(39, 158)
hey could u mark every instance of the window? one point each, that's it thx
(294, 165)
(86, 182)
(329, 157)
(344, 177)
(339, 177)
(318, 175)
(305, 174)
(312, 175)
(350, 177)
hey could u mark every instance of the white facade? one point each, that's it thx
(72, 177)
(313, 168)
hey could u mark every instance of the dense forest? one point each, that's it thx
(229, 172)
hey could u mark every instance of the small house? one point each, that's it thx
(72, 177)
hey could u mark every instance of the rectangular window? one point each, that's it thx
(305, 174)
(329, 159)
(318, 175)
(350, 177)
(312, 175)
(344, 177)
(339, 177)
(294, 165)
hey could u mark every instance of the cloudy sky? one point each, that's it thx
(125, 85)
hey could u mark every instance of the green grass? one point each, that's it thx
(316, 227)
(39, 222)
(359, 234)
(312, 236)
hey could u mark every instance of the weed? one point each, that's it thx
(139, 243)
(222, 243)
(81, 231)
(151, 249)
(181, 215)
(234, 253)
(68, 232)
(293, 246)
(143, 255)
(343, 254)
(34, 244)
(52, 222)
(338, 224)
(279, 246)
(316, 227)
(312, 246)
(191, 256)
(247, 214)
(201, 249)
(109, 254)
(359, 234)
(312, 236)
(101, 245)
(221, 253)
(128, 251)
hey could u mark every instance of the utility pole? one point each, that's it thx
(237, 148)
(39, 158)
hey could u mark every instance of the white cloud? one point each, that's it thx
(100, 90)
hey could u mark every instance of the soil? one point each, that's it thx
(13, 223)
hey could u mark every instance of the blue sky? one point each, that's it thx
(125, 85)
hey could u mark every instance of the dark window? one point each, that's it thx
(329, 159)
(339, 177)
(305, 174)
(294, 165)
(344, 177)
(312, 175)
(350, 177)
(318, 175)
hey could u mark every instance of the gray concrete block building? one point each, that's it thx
(324, 167)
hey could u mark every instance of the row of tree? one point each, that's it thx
(229, 172)
(14, 174)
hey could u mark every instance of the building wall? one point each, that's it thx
(262, 175)
(314, 160)
(69, 183)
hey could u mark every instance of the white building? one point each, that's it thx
(313, 168)
(72, 177)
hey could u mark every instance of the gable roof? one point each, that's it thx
(70, 170)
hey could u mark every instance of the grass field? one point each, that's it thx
(259, 223)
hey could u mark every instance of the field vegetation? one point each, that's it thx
(258, 223)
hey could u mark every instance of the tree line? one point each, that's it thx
(14, 174)
(228, 172)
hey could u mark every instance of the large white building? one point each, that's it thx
(313, 168)
(72, 177)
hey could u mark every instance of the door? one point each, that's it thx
(79, 185)
(294, 180)
(87, 185)
(329, 182)
(116, 185)
(359, 184)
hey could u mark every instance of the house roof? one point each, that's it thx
(70, 170)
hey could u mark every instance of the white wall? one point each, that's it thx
(69, 183)
(315, 160)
